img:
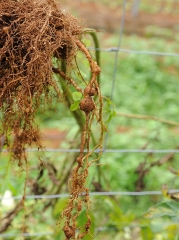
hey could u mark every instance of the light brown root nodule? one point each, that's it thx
(33, 35)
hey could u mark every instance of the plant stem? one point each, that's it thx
(97, 53)
(148, 117)
(69, 100)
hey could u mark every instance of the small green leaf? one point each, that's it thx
(147, 233)
(109, 110)
(112, 114)
(79, 55)
(83, 74)
(75, 105)
(168, 209)
(87, 42)
(77, 96)
(55, 62)
(81, 222)
(59, 206)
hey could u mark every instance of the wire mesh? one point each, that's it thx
(106, 150)
(143, 193)
(77, 150)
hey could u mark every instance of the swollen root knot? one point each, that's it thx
(79, 161)
(69, 231)
(87, 104)
(88, 224)
(90, 91)
(96, 68)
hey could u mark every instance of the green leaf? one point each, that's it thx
(112, 113)
(79, 55)
(59, 235)
(59, 206)
(165, 209)
(77, 96)
(147, 233)
(81, 222)
(75, 105)
(113, 206)
(55, 62)
(109, 110)
(87, 42)
(83, 74)
(156, 226)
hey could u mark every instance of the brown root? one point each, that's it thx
(79, 193)
(31, 35)
(34, 36)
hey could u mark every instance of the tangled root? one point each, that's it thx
(79, 193)
(30, 35)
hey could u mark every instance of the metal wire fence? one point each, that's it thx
(117, 50)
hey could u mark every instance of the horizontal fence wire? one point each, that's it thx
(76, 150)
(65, 195)
(99, 229)
(116, 49)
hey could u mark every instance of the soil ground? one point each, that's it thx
(103, 17)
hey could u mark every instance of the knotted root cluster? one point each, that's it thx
(79, 193)
(32, 35)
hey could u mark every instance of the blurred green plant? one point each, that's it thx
(145, 85)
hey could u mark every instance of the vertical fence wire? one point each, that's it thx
(135, 8)
(121, 28)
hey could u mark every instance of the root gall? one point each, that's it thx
(90, 91)
(87, 104)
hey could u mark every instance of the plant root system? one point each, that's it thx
(32, 35)
(79, 193)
